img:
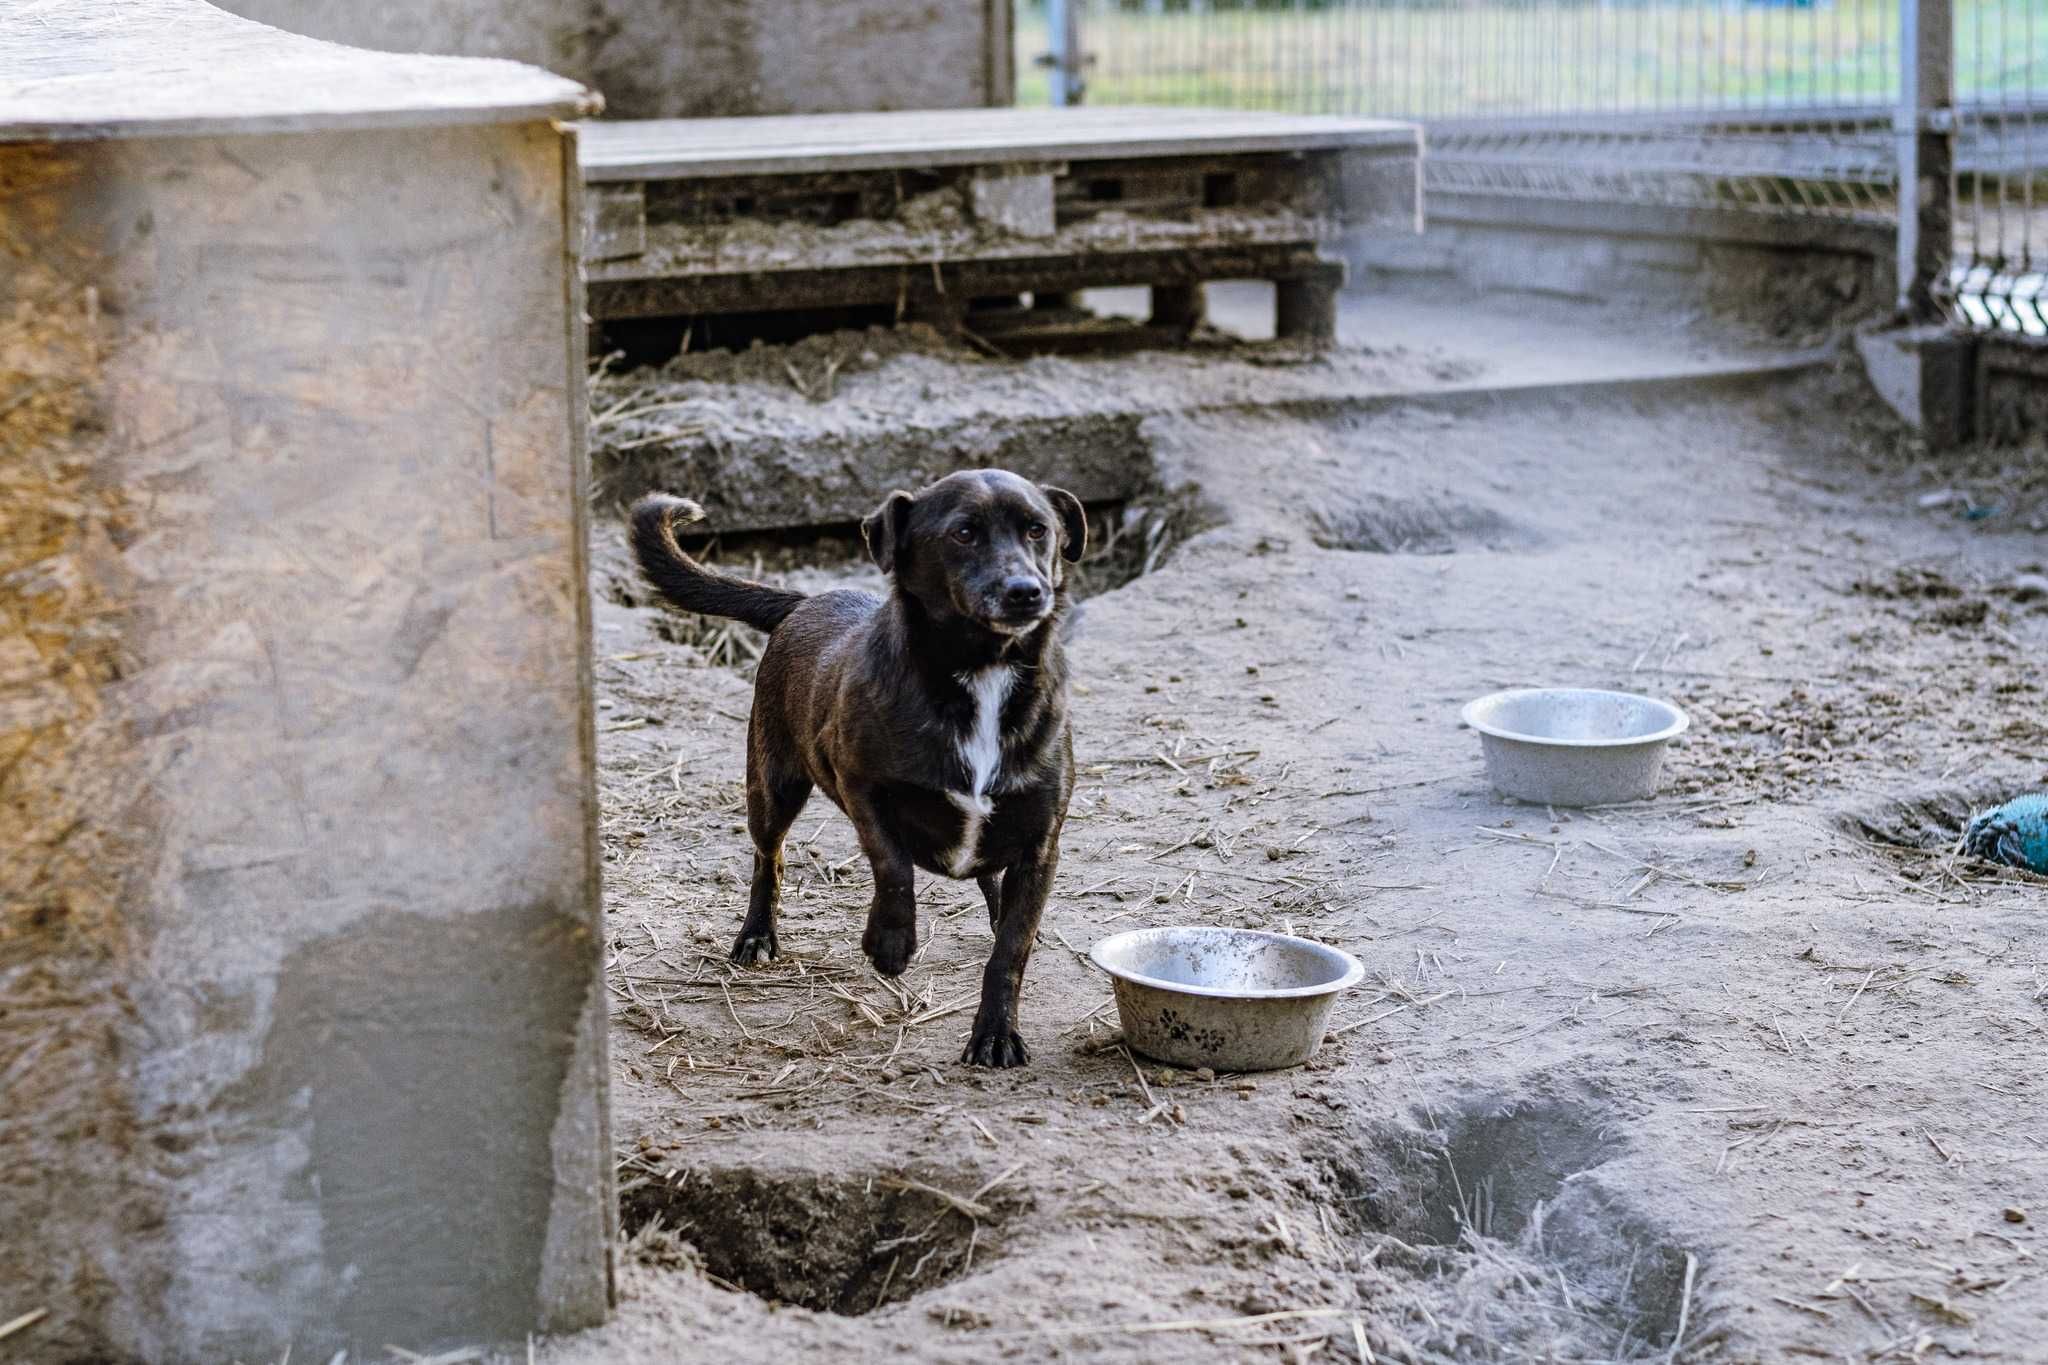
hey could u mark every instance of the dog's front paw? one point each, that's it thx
(751, 949)
(994, 1043)
(889, 946)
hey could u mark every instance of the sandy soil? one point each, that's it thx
(1500, 342)
(1720, 1070)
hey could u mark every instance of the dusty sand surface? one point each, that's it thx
(1523, 339)
(1719, 1062)
(890, 378)
(816, 432)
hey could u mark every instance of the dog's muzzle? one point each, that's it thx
(1024, 602)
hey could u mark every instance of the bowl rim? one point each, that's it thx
(1353, 973)
(1677, 725)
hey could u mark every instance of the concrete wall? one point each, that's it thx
(1953, 386)
(301, 1002)
(1791, 276)
(2010, 404)
(701, 58)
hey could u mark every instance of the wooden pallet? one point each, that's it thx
(929, 211)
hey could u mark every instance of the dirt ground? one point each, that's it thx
(1750, 1072)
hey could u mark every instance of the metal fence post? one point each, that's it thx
(1063, 26)
(1925, 123)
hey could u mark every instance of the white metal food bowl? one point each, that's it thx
(1230, 999)
(1570, 746)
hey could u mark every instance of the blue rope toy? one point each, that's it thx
(2015, 834)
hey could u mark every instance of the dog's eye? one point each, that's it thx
(964, 534)
(1035, 531)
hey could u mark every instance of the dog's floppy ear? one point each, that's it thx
(1073, 522)
(884, 530)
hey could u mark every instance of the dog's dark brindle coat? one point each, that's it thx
(935, 717)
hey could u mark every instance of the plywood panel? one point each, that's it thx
(150, 68)
(684, 148)
(301, 1006)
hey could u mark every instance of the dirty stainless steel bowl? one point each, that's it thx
(1569, 746)
(1230, 999)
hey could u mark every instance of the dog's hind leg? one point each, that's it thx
(991, 884)
(772, 807)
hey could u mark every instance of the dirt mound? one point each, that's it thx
(1438, 523)
(1931, 819)
(814, 365)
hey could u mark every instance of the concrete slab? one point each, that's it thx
(1927, 375)
(1493, 340)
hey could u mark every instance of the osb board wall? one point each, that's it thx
(71, 788)
(300, 982)
(702, 58)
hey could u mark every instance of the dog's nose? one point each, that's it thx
(1022, 594)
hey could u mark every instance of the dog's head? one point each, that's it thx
(983, 545)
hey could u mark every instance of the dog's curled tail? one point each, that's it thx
(688, 584)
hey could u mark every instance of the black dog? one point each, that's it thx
(935, 717)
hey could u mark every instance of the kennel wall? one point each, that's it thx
(702, 58)
(301, 998)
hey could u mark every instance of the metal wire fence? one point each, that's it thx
(1783, 107)
(2002, 166)
(1415, 59)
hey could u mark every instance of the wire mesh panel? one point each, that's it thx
(1436, 59)
(2002, 167)
(1770, 106)
(1843, 167)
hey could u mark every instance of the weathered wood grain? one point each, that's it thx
(674, 249)
(653, 149)
(614, 222)
(72, 69)
(301, 999)
(1016, 200)
(931, 290)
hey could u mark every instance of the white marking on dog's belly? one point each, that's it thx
(981, 750)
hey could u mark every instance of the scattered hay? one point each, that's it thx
(1921, 835)
(1437, 523)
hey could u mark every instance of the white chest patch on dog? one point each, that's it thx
(981, 751)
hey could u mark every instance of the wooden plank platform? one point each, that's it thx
(927, 211)
(941, 293)
(678, 149)
(87, 69)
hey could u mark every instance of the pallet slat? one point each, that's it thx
(670, 149)
(939, 289)
(680, 250)
(929, 210)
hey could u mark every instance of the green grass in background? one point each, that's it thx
(1489, 58)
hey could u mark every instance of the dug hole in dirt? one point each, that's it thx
(1750, 1072)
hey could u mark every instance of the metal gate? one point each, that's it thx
(1794, 107)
